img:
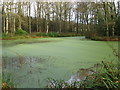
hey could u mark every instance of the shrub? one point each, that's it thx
(20, 31)
(4, 35)
(106, 76)
(7, 81)
(41, 34)
(50, 34)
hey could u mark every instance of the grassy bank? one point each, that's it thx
(98, 38)
(36, 35)
(105, 77)
(54, 34)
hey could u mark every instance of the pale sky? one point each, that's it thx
(60, 0)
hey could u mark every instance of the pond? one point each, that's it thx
(31, 62)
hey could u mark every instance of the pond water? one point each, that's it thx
(32, 61)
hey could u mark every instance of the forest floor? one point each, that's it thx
(34, 35)
(104, 38)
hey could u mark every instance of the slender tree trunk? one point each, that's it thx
(14, 24)
(19, 13)
(36, 14)
(113, 31)
(48, 16)
(106, 17)
(114, 18)
(6, 23)
(10, 17)
(3, 18)
(19, 22)
(60, 15)
(60, 26)
(77, 20)
(14, 20)
(29, 19)
(87, 23)
(47, 27)
(69, 20)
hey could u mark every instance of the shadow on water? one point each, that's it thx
(27, 70)
(13, 43)
(20, 61)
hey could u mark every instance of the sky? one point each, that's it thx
(59, 0)
(33, 2)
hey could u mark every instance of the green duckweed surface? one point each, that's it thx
(31, 61)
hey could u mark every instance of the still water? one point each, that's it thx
(30, 62)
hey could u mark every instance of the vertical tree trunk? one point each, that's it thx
(113, 30)
(106, 17)
(19, 22)
(60, 26)
(48, 16)
(114, 18)
(69, 20)
(29, 19)
(60, 15)
(14, 20)
(6, 23)
(36, 12)
(10, 17)
(14, 24)
(19, 13)
(3, 18)
(47, 27)
(77, 20)
(88, 29)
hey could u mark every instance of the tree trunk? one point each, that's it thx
(106, 17)
(6, 23)
(14, 24)
(47, 27)
(19, 13)
(29, 19)
(69, 20)
(19, 22)
(77, 20)
(3, 19)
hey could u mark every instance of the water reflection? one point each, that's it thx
(20, 61)
(24, 68)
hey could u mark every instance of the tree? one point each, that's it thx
(29, 17)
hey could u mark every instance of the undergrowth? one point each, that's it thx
(107, 77)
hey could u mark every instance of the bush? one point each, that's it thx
(50, 34)
(106, 76)
(41, 34)
(20, 31)
(4, 35)
(7, 81)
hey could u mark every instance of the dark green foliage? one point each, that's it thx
(50, 34)
(117, 26)
(7, 81)
(41, 34)
(106, 76)
(7, 36)
(69, 34)
(4, 35)
(53, 34)
(20, 31)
